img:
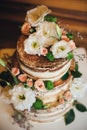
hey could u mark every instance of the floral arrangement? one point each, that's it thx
(46, 38)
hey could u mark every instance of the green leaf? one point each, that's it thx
(80, 107)
(50, 19)
(69, 117)
(25, 85)
(2, 63)
(65, 76)
(38, 104)
(15, 79)
(32, 30)
(70, 35)
(49, 84)
(59, 32)
(70, 56)
(76, 67)
(50, 56)
(6, 77)
(76, 74)
(3, 84)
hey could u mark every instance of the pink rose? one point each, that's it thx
(39, 85)
(67, 95)
(29, 82)
(72, 44)
(64, 37)
(22, 77)
(61, 100)
(15, 71)
(25, 28)
(44, 51)
(64, 32)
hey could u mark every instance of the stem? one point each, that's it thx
(6, 82)
(14, 77)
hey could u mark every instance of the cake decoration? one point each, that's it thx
(41, 81)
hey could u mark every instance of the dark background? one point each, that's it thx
(12, 15)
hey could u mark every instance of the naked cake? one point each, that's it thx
(43, 53)
(42, 71)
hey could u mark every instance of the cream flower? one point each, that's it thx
(67, 95)
(60, 49)
(39, 85)
(22, 77)
(15, 71)
(36, 15)
(47, 33)
(25, 28)
(72, 44)
(79, 88)
(29, 82)
(44, 51)
(32, 45)
(22, 98)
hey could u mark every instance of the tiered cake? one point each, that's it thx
(44, 53)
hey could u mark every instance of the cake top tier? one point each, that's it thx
(45, 36)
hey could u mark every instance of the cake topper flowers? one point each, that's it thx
(47, 37)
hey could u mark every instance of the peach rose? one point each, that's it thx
(64, 37)
(44, 51)
(61, 100)
(39, 85)
(22, 77)
(15, 71)
(25, 28)
(29, 82)
(64, 32)
(72, 44)
(67, 95)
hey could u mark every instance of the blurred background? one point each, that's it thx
(70, 13)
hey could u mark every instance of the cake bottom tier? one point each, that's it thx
(49, 114)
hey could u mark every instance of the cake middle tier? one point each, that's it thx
(39, 67)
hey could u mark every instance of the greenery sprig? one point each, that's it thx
(70, 115)
(4, 64)
(50, 56)
(76, 73)
(50, 18)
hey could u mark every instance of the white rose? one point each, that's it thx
(47, 33)
(60, 49)
(32, 45)
(22, 98)
(79, 88)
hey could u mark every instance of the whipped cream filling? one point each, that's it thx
(47, 75)
(49, 114)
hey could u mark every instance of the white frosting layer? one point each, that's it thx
(47, 75)
(50, 114)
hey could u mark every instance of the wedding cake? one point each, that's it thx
(44, 54)
(43, 68)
